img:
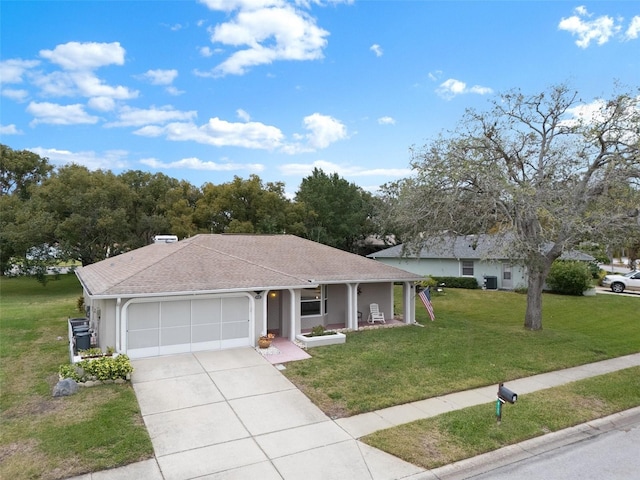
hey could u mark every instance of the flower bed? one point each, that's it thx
(113, 368)
(329, 338)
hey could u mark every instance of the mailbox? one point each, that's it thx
(506, 395)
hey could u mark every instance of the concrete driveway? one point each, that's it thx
(230, 414)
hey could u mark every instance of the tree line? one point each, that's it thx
(72, 213)
(545, 170)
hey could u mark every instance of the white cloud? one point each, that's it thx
(205, 51)
(600, 29)
(231, 5)
(323, 130)
(634, 28)
(19, 95)
(10, 130)
(104, 104)
(91, 86)
(193, 163)
(271, 31)
(12, 70)
(137, 117)
(160, 77)
(111, 159)
(171, 90)
(219, 133)
(55, 84)
(435, 76)
(242, 115)
(588, 112)
(387, 121)
(83, 83)
(55, 114)
(377, 49)
(342, 170)
(452, 87)
(85, 56)
(599, 111)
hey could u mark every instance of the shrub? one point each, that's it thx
(103, 368)
(428, 282)
(80, 303)
(521, 289)
(569, 277)
(458, 282)
(595, 270)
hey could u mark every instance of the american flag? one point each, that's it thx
(425, 296)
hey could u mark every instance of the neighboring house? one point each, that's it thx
(219, 291)
(483, 257)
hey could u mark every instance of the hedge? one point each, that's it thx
(469, 283)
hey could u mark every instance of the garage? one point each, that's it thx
(186, 325)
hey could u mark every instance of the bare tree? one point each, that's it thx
(547, 170)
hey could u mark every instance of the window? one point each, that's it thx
(467, 268)
(311, 301)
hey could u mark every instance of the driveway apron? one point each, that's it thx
(230, 414)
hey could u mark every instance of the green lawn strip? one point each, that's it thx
(477, 339)
(460, 434)
(45, 437)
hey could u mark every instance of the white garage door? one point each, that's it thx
(161, 328)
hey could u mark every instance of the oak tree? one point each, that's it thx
(545, 171)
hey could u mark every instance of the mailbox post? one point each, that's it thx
(504, 395)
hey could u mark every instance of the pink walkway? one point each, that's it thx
(282, 351)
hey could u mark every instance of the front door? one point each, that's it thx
(507, 282)
(274, 312)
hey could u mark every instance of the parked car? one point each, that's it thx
(620, 283)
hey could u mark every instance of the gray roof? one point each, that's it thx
(470, 247)
(223, 262)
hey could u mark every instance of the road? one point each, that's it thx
(614, 455)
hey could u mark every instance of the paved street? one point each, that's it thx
(612, 456)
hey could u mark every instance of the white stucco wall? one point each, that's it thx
(453, 268)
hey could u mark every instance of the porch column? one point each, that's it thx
(292, 315)
(352, 306)
(265, 296)
(408, 304)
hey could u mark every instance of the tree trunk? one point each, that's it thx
(533, 315)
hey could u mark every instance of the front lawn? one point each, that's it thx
(51, 438)
(477, 339)
(460, 434)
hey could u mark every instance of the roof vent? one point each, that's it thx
(165, 238)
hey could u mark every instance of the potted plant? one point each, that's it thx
(265, 340)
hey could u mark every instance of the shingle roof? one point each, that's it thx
(231, 262)
(471, 247)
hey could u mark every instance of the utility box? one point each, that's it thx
(491, 283)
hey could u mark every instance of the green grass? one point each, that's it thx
(477, 339)
(456, 435)
(45, 437)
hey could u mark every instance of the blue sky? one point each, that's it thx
(211, 89)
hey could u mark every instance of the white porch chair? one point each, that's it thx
(375, 315)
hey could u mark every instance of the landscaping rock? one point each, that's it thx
(65, 387)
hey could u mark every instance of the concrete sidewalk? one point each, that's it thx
(366, 423)
(230, 415)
